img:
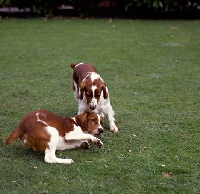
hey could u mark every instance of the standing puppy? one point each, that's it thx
(91, 92)
(48, 132)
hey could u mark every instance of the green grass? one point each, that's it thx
(152, 70)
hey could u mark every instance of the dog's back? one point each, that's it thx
(81, 70)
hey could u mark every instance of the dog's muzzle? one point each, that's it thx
(92, 106)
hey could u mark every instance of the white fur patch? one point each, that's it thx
(76, 133)
(78, 65)
(54, 139)
(38, 119)
(76, 91)
(99, 118)
(94, 87)
(94, 76)
(94, 100)
(56, 143)
(59, 143)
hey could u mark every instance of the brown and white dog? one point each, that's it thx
(48, 132)
(91, 92)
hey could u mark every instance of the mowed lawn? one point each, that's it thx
(152, 70)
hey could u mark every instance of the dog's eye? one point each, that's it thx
(93, 120)
(97, 94)
(88, 94)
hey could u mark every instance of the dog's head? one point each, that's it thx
(91, 88)
(90, 122)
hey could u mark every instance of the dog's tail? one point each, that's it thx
(17, 133)
(73, 65)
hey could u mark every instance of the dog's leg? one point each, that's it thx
(82, 106)
(50, 157)
(75, 91)
(108, 111)
(81, 103)
(85, 145)
(77, 134)
(77, 143)
(74, 144)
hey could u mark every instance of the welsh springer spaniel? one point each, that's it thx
(48, 132)
(91, 92)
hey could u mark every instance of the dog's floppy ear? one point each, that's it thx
(82, 89)
(105, 92)
(81, 120)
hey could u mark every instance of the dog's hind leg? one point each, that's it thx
(50, 157)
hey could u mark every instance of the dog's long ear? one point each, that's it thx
(82, 89)
(105, 92)
(81, 120)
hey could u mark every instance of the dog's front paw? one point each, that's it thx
(98, 143)
(85, 145)
(114, 129)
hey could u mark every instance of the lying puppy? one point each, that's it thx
(48, 132)
(91, 92)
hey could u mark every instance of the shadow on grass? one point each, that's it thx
(16, 152)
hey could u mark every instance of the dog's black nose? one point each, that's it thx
(92, 107)
(100, 130)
